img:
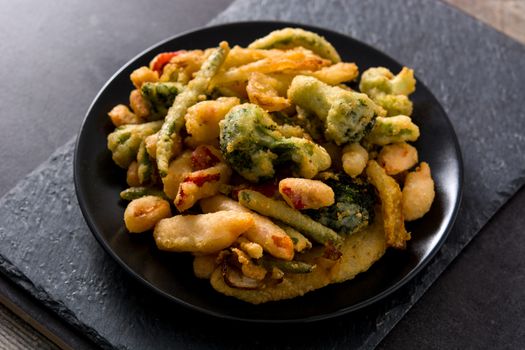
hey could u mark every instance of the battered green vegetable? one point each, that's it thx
(300, 242)
(281, 211)
(188, 97)
(310, 123)
(146, 170)
(137, 192)
(395, 104)
(389, 91)
(125, 141)
(252, 144)
(160, 97)
(287, 266)
(288, 38)
(353, 209)
(393, 129)
(347, 115)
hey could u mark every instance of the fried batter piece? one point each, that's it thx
(391, 204)
(262, 90)
(360, 251)
(287, 38)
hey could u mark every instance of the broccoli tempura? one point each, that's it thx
(347, 115)
(252, 143)
(389, 91)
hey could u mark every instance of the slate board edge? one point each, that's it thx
(10, 271)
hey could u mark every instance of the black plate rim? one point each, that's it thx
(352, 308)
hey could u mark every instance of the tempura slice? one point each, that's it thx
(202, 233)
(391, 205)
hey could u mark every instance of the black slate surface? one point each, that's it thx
(478, 301)
(50, 252)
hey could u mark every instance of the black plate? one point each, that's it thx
(98, 182)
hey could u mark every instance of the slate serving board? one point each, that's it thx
(48, 249)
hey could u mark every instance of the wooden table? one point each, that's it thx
(507, 16)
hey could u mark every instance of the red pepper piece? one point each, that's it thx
(202, 158)
(200, 179)
(158, 63)
(294, 198)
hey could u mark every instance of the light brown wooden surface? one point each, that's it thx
(17, 334)
(507, 16)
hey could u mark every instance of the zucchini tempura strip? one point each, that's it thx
(288, 266)
(125, 141)
(132, 193)
(281, 211)
(391, 205)
(264, 232)
(288, 38)
(175, 118)
(146, 168)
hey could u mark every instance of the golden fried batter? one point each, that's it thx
(360, 251)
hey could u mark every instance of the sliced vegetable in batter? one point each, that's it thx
(296, 37)
(391, 205)
(175, 119)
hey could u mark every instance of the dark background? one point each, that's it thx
(57, 55)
